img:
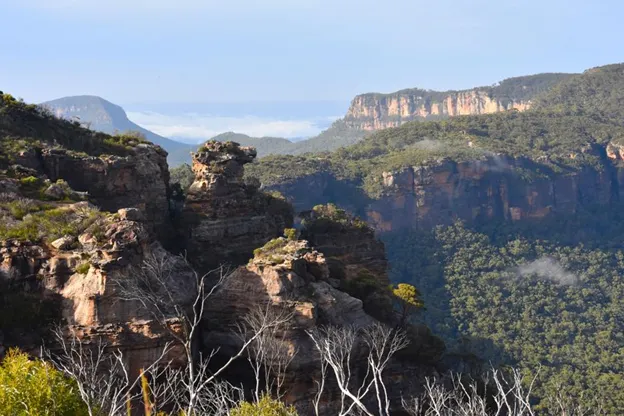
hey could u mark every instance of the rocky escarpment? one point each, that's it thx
(292, 279)
(74, 280)
(138, 180)
(493, 188)
(225, 218)
(379, 111)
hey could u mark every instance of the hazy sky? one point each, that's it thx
(148, 51)
(161, 59)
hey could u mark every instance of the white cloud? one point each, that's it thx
(202, 127)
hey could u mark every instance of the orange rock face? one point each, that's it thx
(370, 112)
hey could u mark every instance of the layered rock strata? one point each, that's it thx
(75, 280)
(375, 112)
(225, 218)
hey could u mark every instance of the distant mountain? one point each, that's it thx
(102, 115)
(264, 145)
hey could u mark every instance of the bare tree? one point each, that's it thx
(508, 393)
(337, 347)
(162, 286)
(269, 354)
(103, 381)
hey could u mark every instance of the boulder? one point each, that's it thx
(131, 214)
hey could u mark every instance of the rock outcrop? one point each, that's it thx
(138, 180)
(78, 283)
(225, 219)
(289, 277)
(354, 255)
(379, 111)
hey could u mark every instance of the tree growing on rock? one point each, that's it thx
(408, 301)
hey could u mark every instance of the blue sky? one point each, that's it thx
(143, 54)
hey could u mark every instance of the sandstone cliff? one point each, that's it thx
(225, 219)
(74, 281)
(494, 188)
(379, 111)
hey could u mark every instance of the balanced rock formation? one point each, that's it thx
(225, 217)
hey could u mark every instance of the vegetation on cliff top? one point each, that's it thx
(597, 90)
(511, 89)
(555, 142)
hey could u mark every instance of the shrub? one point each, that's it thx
(363, 285)
(83, 268)
(30, 181)
(51, 224)
(265, 407)
(34, 387)
(290, 233)
(21, 207)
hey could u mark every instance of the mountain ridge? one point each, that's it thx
(102, 115)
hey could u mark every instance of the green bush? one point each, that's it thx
(33, 387)
(290, 233)
(265, 407)
(50, 224)
(30, 181)
(21, 207)
(83, 268)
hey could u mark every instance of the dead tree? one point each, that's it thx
(337, 348)
(162, 286)
(268, 355)
(509, 396)
(102, 379)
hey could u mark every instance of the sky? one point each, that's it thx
(147, 55)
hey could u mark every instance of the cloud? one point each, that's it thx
(201, 127)
(428, 144)
(549, 269)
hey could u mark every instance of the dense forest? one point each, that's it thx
(548, 307)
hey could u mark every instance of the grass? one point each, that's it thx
(83, 268)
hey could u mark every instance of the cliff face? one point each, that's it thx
(226, 218)
(496, 188)
(375, 111)
(76, 278)
(139, 179)
(380, 111)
